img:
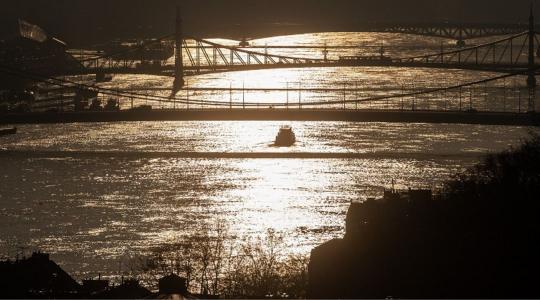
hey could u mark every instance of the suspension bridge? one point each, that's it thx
(467, 103)
(513, 57)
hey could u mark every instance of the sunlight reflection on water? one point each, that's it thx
(91, 211)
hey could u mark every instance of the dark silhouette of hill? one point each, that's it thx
(479, 239)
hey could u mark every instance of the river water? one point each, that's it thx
(92, 210)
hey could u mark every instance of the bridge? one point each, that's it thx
(448, 30)
(458, 31)
(195, 56)
(202, 56)
(467, 103)
(513, 56)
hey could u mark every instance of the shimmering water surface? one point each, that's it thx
(91, 211)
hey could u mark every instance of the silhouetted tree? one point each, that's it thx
(478, 239)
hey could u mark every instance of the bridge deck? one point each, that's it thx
(455, 117)
(168, 70)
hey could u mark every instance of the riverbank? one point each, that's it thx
(477, 239)
(440, 117)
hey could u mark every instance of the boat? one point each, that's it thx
(244, 43)
(8, 131)
(285, 137)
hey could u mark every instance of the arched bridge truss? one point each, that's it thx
(199, 56)
(455, 31)
(202, 56)
(206, 56)
(506, 55)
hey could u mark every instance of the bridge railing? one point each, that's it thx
(505, 93)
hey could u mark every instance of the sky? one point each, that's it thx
(75, 20)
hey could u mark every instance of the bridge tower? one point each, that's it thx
(461, 41)
(531, 77)
(178, 59)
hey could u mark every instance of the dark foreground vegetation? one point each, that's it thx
(206, 266)
(478, 239)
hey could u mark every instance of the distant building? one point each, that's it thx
(377, 212)
(94, 286)
(27, 49)
(420, 195)
(172, 284)
(129, 289)
(36, 277)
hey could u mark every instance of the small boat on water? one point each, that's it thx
(8, 131)
(285, 137)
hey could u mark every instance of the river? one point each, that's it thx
(91, 211)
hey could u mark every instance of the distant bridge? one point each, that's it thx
(460, 98)
(510, 54)
(459, 31)
(449, 30)
(198, 56)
